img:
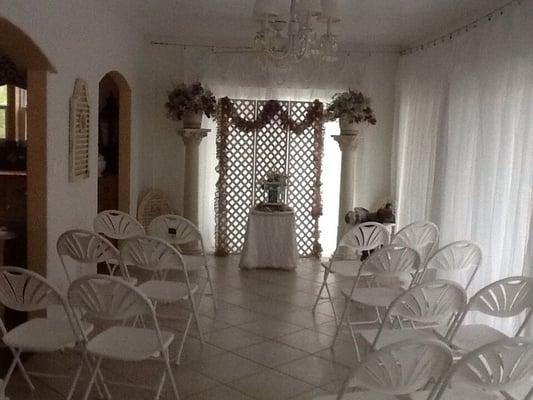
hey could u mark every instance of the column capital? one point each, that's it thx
(347, 142)
(193, 137)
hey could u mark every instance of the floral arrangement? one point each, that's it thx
(271, 109)
(190, 98)
(352, 106)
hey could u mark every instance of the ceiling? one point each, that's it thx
(365, 23)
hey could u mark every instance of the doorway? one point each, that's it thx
(114, 143)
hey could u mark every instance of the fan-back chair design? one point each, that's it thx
(364, 237)
(179, 231)
(117, 225)
(160, 258)
(111, 299)
(423, 236)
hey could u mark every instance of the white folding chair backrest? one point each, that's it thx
(391, 260)
(506, 298)
(365, 236)
(175, 229)
(423, 236)
(402, 367)
(432, 302)
(118, 225)
(88, 248)
(454, 257)
(152, 254)
(497, 366)
(25, 291)
(108, 298)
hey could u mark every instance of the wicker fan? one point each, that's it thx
(153, 204)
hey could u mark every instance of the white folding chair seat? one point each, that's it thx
(166, 291)
(26, 291)
(423, 236)
(179, 231)
(367, 236)
(506, 298)
(389, 261)
(396, 370)
(430, 303)
(128, 344)
(113, 300)
(44, 335)
(161, 259)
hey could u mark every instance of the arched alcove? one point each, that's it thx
(33, 64)
(113, 84)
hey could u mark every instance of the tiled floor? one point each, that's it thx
(263, 343)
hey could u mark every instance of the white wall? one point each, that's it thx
(82, 40)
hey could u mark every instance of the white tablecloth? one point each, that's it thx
(270, 241)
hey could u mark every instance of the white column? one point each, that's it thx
(348, 144)
(192, 139)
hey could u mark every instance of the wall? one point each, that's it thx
(82, 40)
(374, 74)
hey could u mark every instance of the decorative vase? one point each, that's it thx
(347, 127)
(101, 165)
(192, 120)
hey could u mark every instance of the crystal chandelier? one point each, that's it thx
(292, 39)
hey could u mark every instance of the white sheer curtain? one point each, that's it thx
(240, 76)
(464, 141)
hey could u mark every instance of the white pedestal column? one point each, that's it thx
(192, 139)
(348, 144)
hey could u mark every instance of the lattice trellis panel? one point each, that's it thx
(249, 156)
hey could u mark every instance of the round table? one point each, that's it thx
(270, 241)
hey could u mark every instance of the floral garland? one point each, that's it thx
(271, 109)
(227, 115)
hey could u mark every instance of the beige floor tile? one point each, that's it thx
(271, 353)
(342, 353)
(305, 318)
(270, 328)
(194, 351)
(220, 393)
(233, 338)
(271, 385)
(227, 367)
(314, 370)
(312, 394)
(307, 340)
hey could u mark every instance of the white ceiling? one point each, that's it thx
(368, 23)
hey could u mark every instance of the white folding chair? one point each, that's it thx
(489, 372)
(88, 249)
(26, 291)
(364, 237)
(395, 264)
(452, 259)
(401, 368)
(430, 303)
(423, 236)
(506, 298)
(179, 231)
(112, 299)
(160, 258)
(118, 225)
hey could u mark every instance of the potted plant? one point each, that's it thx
(351, 108)
(188, 103)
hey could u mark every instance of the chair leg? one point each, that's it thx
(171, 375)
(185, 333)
(354, 338)
(324, 284)
(93, 377)
(332, 305)
(161, 385)
(17, 362)
(341, 321)
(197, 319)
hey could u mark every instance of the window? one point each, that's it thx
(3, 111)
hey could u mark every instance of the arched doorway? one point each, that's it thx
(114, 142)
(33, 66)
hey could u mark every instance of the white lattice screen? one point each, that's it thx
(248, 158)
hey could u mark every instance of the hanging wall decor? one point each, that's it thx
(255, 137)
(79, 132)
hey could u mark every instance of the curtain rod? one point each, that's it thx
(464, 29)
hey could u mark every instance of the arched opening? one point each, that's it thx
(32, 67)
(114, 142)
